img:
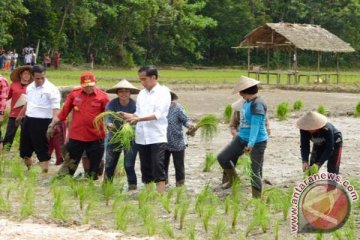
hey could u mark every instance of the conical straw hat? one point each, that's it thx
(311, 121)
(21, 101)
(124, 84)
(244, 83)
(174, 96)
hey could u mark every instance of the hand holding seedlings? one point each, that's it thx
(247, 150)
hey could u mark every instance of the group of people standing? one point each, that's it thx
(251, 131)
(158, 119)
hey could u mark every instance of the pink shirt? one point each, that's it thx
(16, 89)
(4, 90)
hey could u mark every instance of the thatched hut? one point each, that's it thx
(291, 37)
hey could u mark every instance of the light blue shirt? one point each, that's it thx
(252, 126)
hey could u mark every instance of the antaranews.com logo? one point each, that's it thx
(321, 202)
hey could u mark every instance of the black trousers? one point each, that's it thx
(152, 162)
(94, 151)
(178, 159)
(10, 133)
(33, 138)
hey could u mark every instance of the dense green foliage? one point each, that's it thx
(185, 32)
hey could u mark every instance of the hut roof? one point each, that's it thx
(302, 36)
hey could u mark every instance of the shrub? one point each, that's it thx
(282, 111)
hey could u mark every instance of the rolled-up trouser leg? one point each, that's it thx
(257, 159)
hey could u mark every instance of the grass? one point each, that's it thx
(210, 160)
(219, 230)
(228, 111)
(122, 216)
(298, 105)
(58, 207)
(27, 205)
(108, 190)
(261, 216)
(244, 165)
(282, 111)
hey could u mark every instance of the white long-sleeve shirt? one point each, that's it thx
(156, 101)
(42, 100)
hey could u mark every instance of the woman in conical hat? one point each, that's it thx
(327, 141)
(251, 135)
(21, 78)
(123, 103)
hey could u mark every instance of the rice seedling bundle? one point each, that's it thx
(191, 233)
(27, 206)
(228, 113)
(208, 126)
(298, 105)
(166, 200)
(184, 207)
(260, 216)
(108, 190)
(58, 208)
(168, 230)
(312, 170)
(282, 111)
(322, 110)
(207, 214)
(123, 137)
(121, 215)
(244, 165)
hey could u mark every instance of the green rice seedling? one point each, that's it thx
(208, 212)
(204, 198)
(242, 236)
(148, 194)
(320, 235)
(322, 110)
(5, 205)
(282, 111)
(184, 207)
(122, 216)
(33, 174)
(235, 208)
(146, 213)
(108, 191)
(312, 170)
(337, 235)
(219, 230)
(286, 203)
(209, 127)
(276, 230)
(180, 194)
(244, 165)
(227, 204)
(89, 207)
(27, 205)
(17, 169)
(82, 191)
(260, 216)
(123, 138)
(176, 211)
(166, 200)
(236, 191)
(168, 230)
(191, 232)
(274, 197)
(298, 105)
(228, 111)
(357, 109)
(210, 160)
(58, 207)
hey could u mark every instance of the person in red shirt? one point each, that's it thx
(20, 77)
(85, 102)
(4, 90)
(56, 59)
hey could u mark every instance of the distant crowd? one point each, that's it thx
(9, 59)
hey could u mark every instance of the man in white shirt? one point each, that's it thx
(152, 107)
(43, 103)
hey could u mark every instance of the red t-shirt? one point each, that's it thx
(85, 108)
(16, 89)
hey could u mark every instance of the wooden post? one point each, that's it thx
(337, 68)
(296, 65)
(268, 65)
(318, 68)
(248, 58)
